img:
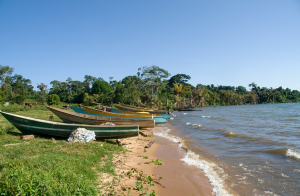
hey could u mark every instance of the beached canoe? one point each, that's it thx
(74, 117)
(131, 109)
(56, 129)
(98, 112)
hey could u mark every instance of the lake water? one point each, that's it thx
(243, 150)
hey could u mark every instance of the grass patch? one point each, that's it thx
(43, 166)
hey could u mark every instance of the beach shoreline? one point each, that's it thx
(140, 161)
(179, 178)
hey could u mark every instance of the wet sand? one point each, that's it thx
(178, 177)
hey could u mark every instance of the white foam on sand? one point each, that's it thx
(165, 134)
(214, 173)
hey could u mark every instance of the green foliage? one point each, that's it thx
(100, 87)
(179, 78)
(87, 99)
(150, 88)
(152, 78)
(119, 93)
(139, 186)
(241, 90)
(1, 97)
(41, 97)
(156, 162)
(53, 99)
(19, 99)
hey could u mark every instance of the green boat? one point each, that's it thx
(56, 129)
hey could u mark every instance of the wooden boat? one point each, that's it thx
(131, 109)
(73, 117)
(98, 112)
(43, 127)
(144, 109)
(187, 109)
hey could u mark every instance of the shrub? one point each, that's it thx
(19, 99)
(53, 99)
(87, 99)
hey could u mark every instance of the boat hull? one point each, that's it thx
(55, 129)
(126, 109)
(73, 117)
(88, 111)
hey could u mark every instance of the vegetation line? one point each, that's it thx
(152, 87)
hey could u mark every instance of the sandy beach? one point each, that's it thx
(131, 168)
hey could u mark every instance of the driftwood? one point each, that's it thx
(15, 144)
(184, 148)
(119, 142)
(156, 181)
(149, 145)
(143, 134)
(26, 137)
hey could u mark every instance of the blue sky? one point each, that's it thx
(232, 42)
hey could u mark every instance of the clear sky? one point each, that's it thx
(220, 42)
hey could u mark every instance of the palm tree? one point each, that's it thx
(42, 87)
(177, 101)
(215, 96)
(200, 94)
(179, 90)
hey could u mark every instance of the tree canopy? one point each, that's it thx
(152, 86)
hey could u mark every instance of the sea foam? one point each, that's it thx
(214, 173)
(293, 154)
(170, 137)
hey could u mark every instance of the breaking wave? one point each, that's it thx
(290, 153)
(170, 137)
(194, 124)
(293, 154)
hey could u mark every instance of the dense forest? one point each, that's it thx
(152, 86)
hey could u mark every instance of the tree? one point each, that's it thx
(42, 87)
(88, 82)
(180, 89)
(5, 71)
(241, 90)
(254, 87)
(152, 77)
(119, 93)
(179, 79)
(132, 79)
(215, 96)
(200, 94)
(101, 87)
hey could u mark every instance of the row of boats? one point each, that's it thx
(126, 119)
